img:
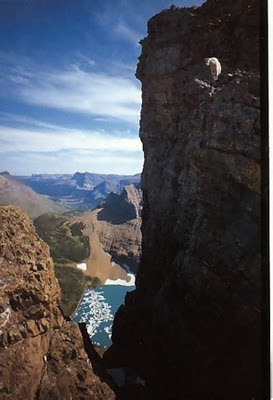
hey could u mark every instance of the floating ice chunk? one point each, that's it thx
(98, 311)
(108, 330)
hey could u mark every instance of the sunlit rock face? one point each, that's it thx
(192, 327)
(42, 355)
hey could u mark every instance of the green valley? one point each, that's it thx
(68, 246)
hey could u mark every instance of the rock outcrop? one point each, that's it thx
(192, 328)
(42, 354)
(119, 227)
(120, 208)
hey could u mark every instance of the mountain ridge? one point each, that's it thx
(78, 191)
(14, 192)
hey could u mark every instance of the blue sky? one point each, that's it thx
(69, 100)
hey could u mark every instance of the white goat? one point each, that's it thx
(215, 67)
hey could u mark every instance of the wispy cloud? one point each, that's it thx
(78, 91)
(128, 33)
(70, 161)
(97, 130)
(85, 60)
(23, 120)
(39, 146)
(14, 139)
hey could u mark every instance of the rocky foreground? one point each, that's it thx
(42, 354)
(192, 328)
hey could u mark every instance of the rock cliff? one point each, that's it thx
(42, 354)
(118, 227)
(192, 327)
(120, 208)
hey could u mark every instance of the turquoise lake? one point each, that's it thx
(97, 309)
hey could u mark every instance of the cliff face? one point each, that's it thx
(192, 327)
(42, 355)
(120, 208)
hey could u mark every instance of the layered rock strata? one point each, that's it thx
(42, 354)
(192, 328)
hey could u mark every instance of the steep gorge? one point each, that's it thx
(192, 328)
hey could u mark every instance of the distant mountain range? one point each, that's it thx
(13, 192)
(80, 191)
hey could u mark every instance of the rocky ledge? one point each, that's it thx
(42, 354)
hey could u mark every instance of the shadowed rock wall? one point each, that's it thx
(192, 327)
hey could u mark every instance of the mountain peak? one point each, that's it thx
(5, 173)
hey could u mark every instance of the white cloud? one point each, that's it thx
(76, 90)
(69, 163)
(29, 145)
(60, 139)
(85, 60)
(25, 120)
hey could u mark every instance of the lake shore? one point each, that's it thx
(97, 310)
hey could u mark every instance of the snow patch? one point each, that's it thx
(82, 266)
(122, 282)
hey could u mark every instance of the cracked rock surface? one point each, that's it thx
(41, 354)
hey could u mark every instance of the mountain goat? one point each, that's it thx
(215, 66)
